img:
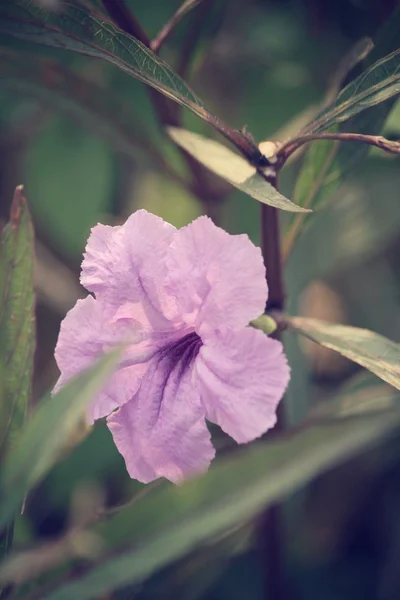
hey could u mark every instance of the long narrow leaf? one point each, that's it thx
(367, 348)
(376, 84)
(326, 164)
(47, 434)
(17, 332)
(235, 490)
(72, 27)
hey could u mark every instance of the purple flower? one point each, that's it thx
(181, 301)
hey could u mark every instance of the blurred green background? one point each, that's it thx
(258, 63)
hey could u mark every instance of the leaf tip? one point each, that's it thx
(18, 203)
(301, 209)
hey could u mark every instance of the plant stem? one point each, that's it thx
(166, 31)
(271, 251)
(373, 140)
(271, 534)
(270, 245)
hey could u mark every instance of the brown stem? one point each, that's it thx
(270, 245)
(165, 31)
(373, 140)
(271, 534)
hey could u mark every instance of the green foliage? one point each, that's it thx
(257, 67)
(231, 167)
(73, 28)
(364, 104)
(376, 84)
(48, 434)
(362, 394)
(370, 350)
(233, 492)
(17, 335)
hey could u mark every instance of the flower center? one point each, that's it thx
(182, 352)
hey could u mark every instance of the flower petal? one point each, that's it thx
(216, 277)
(242, 377)
(127, 263)
(85, 334)
(161, 432)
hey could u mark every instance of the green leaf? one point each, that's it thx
(327, 163)
(362, 394)
(376, 353)
(17, 332)
(72, 27)
(231, 167)
(376, 84)
(66, 91)
(47, 434)
(171, 521)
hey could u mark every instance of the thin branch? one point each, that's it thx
(373, 140)
(165, 31)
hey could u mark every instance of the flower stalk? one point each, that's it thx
(271, 530)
